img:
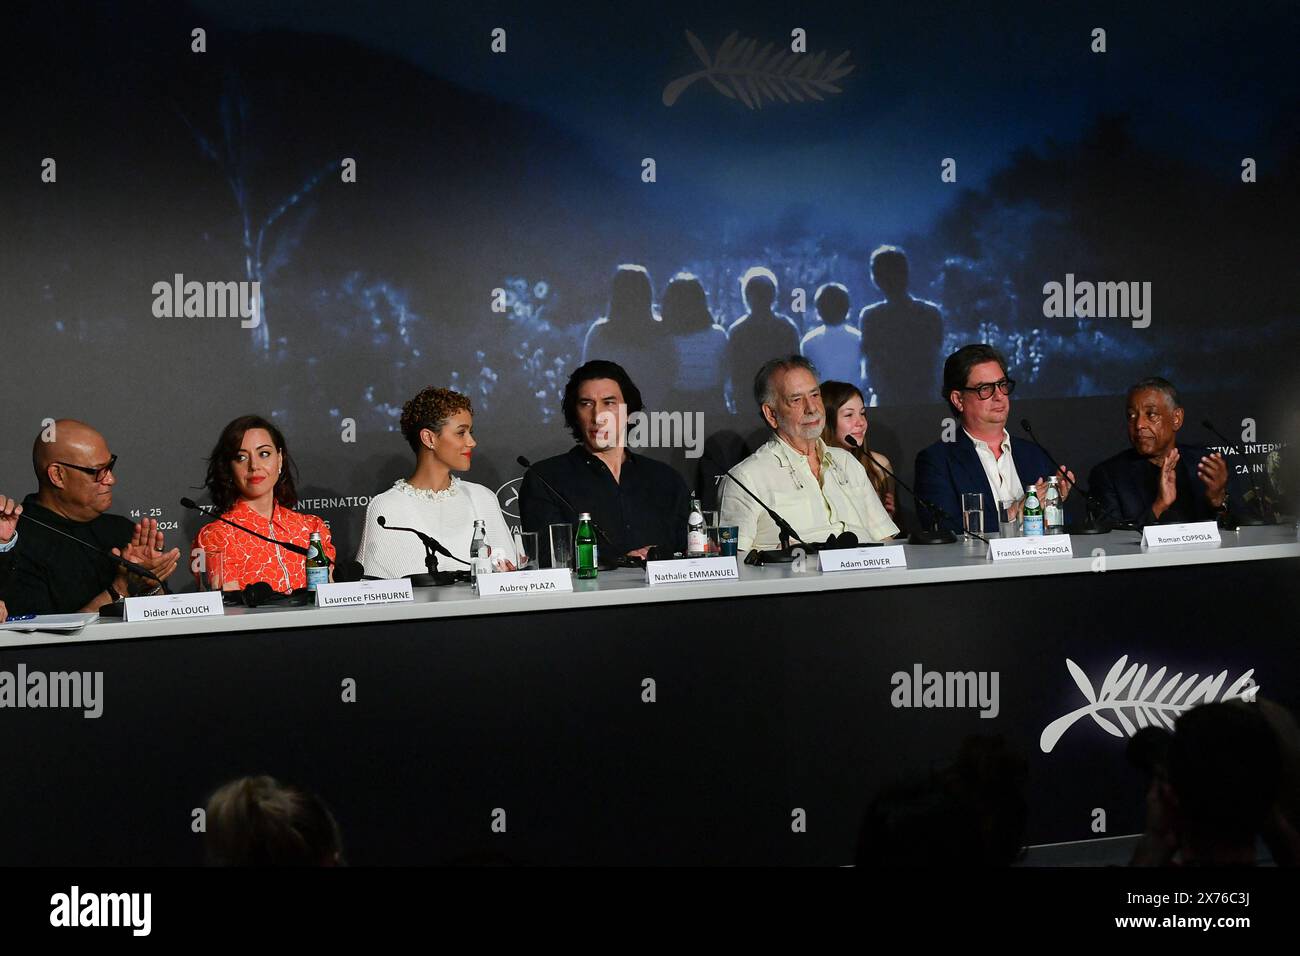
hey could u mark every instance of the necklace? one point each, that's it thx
(428, 494)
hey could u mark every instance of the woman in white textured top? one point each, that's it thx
(439, 425)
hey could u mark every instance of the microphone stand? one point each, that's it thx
(1244, 520)
(432, 548)
(1091, 524)
(784, 530)
(935, 535)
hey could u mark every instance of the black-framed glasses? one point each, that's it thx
(96, 474)
(1006, 386)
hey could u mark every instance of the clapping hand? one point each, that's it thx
(1167, 489)
(1213, 472)
(9, 512)
(146, 550)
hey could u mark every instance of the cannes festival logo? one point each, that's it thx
(741, 71)
(1127, 691)
(508, 498)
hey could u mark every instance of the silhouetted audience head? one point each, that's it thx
(1223, 768)
(971, 813)
(589, 372)
(1213, 784)
(685, 305)
(758, 286)
(258, 821)
(632, 298)
(889, 270)
(832, 301)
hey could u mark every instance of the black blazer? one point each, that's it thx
(1126, 484)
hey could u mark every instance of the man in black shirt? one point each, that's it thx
(1158, 481)
(637, 501)
(51, 574)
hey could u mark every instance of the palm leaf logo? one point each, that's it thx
(742, 71)
(1149, 701)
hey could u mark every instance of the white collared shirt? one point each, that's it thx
(1001, 472)
(780, 476)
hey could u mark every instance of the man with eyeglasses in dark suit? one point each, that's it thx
(982, 457)
(51, 574)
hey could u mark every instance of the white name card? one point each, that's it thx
(515, 583)
(1195, 532)
(1034, 547)
(173, 607)
(863, 559)
(686, 570)
(361, 593)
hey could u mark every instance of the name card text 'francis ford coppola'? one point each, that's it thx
(1034, 547)
(691, 570)
(1195, 532)
(516, 583)
(173, 607)
(363, 593)
(863, 559)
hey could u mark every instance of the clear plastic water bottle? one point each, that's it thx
(1053, 512)
(477, 544)
(697, 538)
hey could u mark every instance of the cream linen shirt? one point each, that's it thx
(783, 479)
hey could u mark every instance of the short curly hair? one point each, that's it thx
(430, 409)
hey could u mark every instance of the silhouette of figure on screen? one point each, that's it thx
(632, 335)
(902, 337)
(758, 335)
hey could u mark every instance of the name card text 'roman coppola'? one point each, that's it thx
(1031, 548)
(173, 607)
(1194, 532)
(516, 583)
(863, 559)
(363, 593)
(691, 570)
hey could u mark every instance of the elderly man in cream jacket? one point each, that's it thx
(820, 490)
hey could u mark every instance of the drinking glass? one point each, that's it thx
(561, 546)
(972, 514)
(525, 550)
(214, 560)
(1008, 526)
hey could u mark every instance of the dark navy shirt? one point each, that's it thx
(649, 504)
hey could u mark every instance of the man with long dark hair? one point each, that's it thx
(638, 502)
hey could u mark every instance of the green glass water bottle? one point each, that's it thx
(585, 544)
(318, 566)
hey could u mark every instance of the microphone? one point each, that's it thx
(786, 531)
(131, 566)
(211, 513)
(921, 536)
(1265, 512)
(525, 463)
(1090, 525)
(432, 546)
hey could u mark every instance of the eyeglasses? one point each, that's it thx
(1006, 386)
(96, 473)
